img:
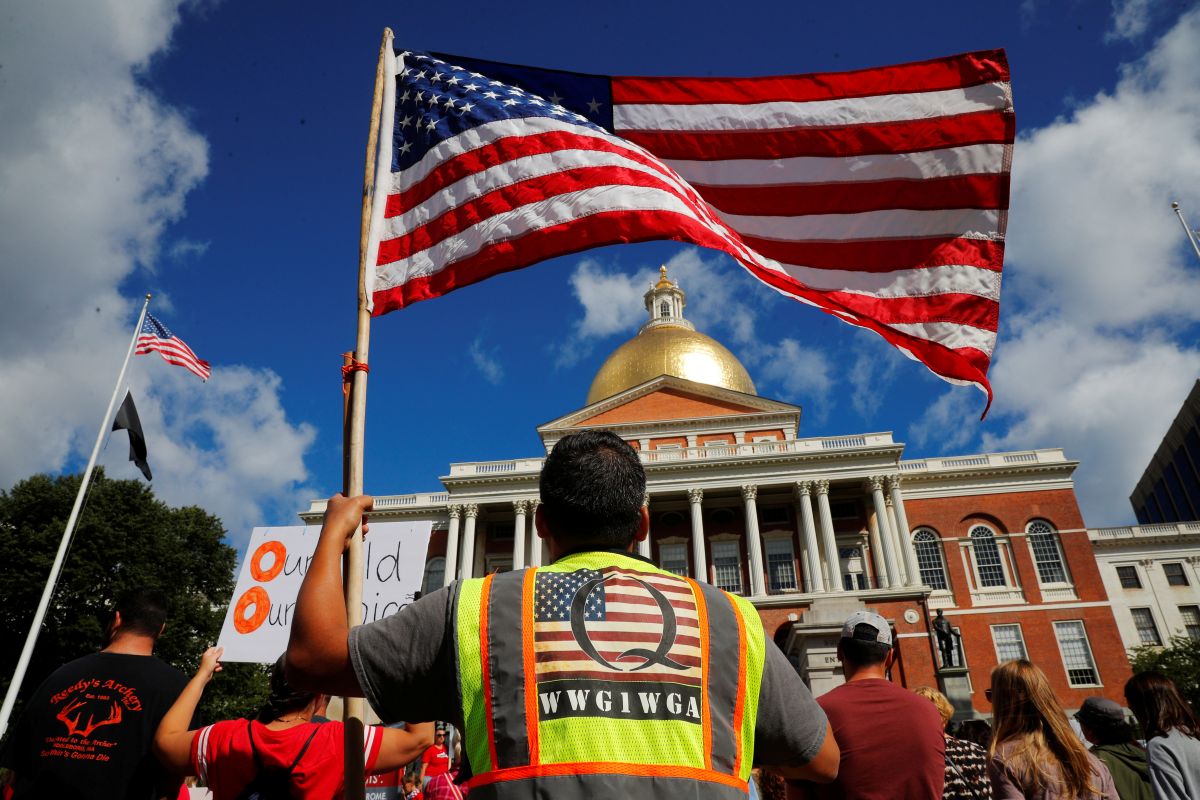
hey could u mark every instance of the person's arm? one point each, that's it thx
(424, 763)
(399, 747)
(318, 652)
(173, 740)
(821, 768)
(793, 737)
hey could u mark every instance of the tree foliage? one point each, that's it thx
(1179, 661)
(125, 539)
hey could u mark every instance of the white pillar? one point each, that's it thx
(882, 581)
(535, 541)
(699, 562)
(643, 547)
(467, 557)
(518, 561)
(754, 540)
(904, 532)
(891, 515)
(875, 483)
(833, 564)
(452, 545)
(808, 532)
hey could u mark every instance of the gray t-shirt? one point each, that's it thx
(405, 665)
(1174, 766)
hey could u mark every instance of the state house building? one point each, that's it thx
(811, 528)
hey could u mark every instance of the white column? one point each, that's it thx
(535, 541)
(808, 533)
(891, 515)
(518, 561)
(904, 532)
(882, 581)
(643, 547)
(467, 557)
(875, 483)
(452, 545)
(699, 562)
(754, 540)
(833, 565)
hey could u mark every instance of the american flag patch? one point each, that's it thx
(617, 643)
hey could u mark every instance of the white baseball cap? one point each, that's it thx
(883, 631)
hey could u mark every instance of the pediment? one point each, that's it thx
(668, 398)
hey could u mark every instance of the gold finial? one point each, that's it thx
(663, 283)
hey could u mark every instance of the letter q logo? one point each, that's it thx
(252, 607)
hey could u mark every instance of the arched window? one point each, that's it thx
(435, 575)
(664, 309)
(929, 559)
(1047, 555)
(987, 556)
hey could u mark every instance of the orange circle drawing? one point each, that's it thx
(255, 596)
(257, 572)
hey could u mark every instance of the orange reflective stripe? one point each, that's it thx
(706, 712)
(484, 657)
(602, 767)
(739, 706)
(527, 652)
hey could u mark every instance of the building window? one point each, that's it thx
(1175, 575)
(1191, 620)
(987, 557)
(673, 558)
(1047, 556)
(773, 515)
(929, 559)
(1076, 653)
(727, 565)
(1147, 631)
(497, 562)
(1010, 644)
(664, 309)
(853, 576)
(1128, 576)
(781, 565)
(435, 575)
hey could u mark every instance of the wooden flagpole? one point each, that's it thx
(352, 568)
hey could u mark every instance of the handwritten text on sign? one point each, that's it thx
(260, 615)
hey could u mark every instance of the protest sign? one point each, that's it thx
(258, 621)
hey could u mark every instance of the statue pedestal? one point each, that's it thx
(956, 685)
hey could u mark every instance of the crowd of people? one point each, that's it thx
(121, 723)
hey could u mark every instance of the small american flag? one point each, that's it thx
(620, 615)
(879, 196)
(158, 337)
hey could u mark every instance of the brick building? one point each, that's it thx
(811, 529)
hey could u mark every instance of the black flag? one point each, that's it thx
(127, 420)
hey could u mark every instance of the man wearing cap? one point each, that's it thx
(891, 740)
(599, 675)
(1103, 724)
(435, 761)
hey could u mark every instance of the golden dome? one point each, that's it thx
(669, 350)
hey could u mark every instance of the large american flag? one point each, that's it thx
(156, 337)
(620, 615)
(879, 196)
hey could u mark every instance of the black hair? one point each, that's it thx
(863, 650)
(592, 489)
(1107, 731)
(975, 730)
(283, 698)
(143, 611)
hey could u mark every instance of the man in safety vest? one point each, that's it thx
(600, 674)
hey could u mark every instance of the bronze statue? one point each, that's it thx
(945, 637)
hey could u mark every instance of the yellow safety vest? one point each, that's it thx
(602, 672)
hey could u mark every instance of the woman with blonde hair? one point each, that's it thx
(1035, 754)
(966, 762)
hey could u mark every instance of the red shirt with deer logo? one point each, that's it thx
(87, 730)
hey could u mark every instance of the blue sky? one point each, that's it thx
(213, 152)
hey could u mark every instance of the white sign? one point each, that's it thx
(259, 619)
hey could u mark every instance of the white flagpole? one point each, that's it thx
(10, 698)
(1187, 228)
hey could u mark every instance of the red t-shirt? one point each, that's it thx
(436, 760)
(891, 742)
(222, 757)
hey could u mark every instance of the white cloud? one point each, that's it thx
(93, 169)
(803, 373)
(1130, 19)
(1097, 347)
(486, 362)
